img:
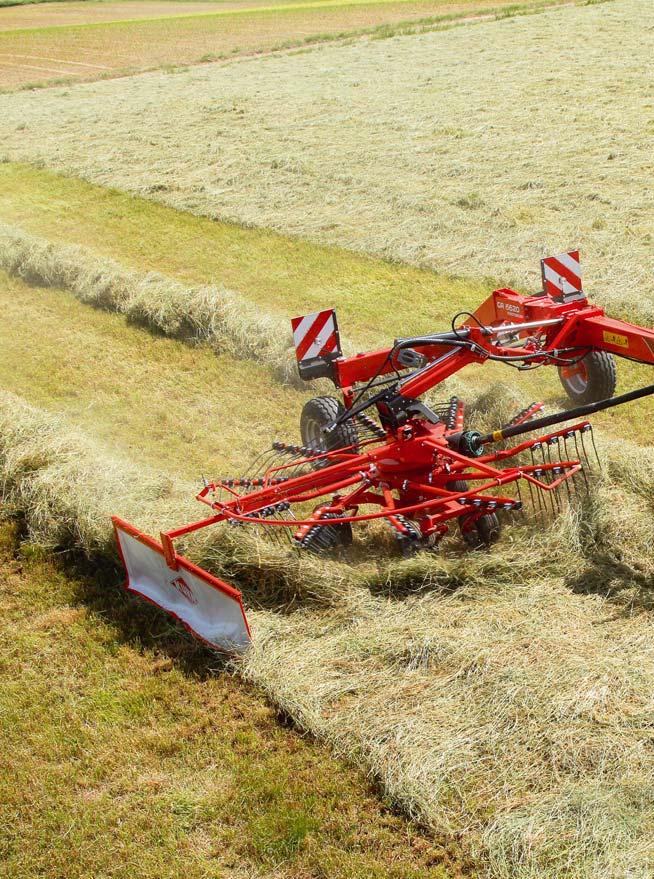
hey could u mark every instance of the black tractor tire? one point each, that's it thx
(316, 415)
(594, 379)
(485, 531)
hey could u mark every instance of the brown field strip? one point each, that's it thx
(121, 47)
(64, 13)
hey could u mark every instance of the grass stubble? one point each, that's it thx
(251, 325)
(130, 751)
(504, 697)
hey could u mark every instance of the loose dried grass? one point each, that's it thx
(513, 711)
(475, 150)
(501, 696)
(220, 318)
(66, 487)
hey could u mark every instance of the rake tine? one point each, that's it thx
(521, 511)
(572, 480)
(539, 492)
(583, 470)
(599, 460)
(566, 481)
(547, 475)
(587, 460)
(551, 477)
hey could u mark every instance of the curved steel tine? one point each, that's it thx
(583, 469)
(599, 460)
(566, 481)
(538, 491)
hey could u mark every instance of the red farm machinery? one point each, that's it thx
(381, 453)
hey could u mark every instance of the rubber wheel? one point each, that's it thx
(593, 378)
(485, 531)
(316, 415)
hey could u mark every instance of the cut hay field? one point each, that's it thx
(175, 34)
(473, 150)
(197, 413)
(503, 699)
(376, 300)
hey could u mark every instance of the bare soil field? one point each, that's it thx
(397, 147)
(174, 35)
(64, 13)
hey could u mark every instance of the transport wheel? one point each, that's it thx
(316, 415)
(483, 531)
(593, 378)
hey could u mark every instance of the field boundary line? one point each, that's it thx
(55, 60)
(407, 27)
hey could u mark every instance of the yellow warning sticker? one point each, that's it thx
(616, 339)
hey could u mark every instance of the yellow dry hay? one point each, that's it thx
(500, 695)
(221, 318)
(475, 150)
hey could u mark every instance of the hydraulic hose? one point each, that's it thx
(472, 442)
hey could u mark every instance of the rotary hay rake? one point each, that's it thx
(415, 467)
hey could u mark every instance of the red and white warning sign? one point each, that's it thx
(316, 335)
(562, 276)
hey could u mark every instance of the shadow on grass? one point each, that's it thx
(629, 588)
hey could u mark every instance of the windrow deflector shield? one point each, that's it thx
(207, 607)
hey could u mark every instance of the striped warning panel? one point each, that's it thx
(316, 335)
(562, 276)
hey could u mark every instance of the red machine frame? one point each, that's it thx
(416, 468)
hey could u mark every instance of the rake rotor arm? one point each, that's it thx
(618, 337)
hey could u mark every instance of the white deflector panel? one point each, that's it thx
(209, 608)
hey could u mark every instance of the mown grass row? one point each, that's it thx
(444, 667)
(242, 325)
(220, 318)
